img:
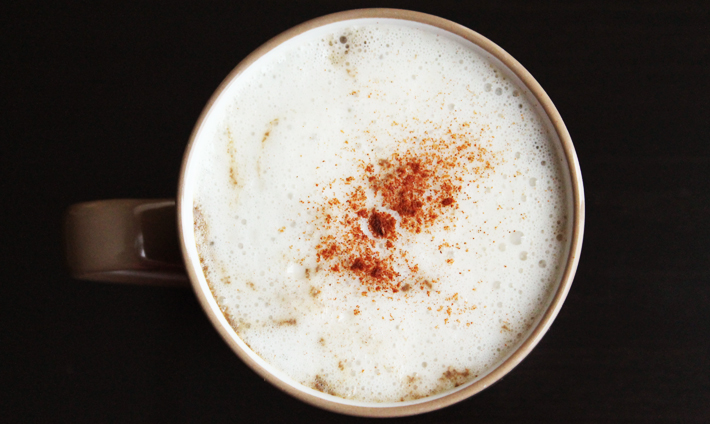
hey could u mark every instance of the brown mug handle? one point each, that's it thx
(125, 241)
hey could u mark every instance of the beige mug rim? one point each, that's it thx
(577, 231)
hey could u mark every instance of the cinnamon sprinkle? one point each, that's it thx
(414, 190)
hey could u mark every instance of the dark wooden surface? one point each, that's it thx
(99, 102)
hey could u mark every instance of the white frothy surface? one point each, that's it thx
(283, 177)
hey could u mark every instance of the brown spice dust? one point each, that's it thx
(414, 189)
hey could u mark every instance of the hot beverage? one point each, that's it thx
(381, 210)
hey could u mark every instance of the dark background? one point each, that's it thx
(99, 102)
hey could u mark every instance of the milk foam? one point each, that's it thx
(298, 129)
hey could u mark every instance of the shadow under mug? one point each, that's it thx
(144, 241)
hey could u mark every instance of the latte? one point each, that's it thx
(380, 210)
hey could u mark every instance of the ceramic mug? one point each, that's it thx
(148, 241)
